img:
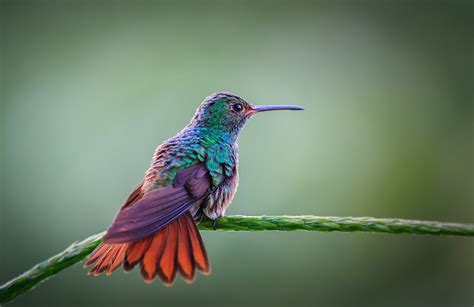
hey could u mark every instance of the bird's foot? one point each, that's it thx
(215, 223)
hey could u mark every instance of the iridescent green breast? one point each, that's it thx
(187, 149)
(221, 160)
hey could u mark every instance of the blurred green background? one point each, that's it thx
(90, 89)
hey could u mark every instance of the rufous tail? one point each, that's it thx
(177, 247)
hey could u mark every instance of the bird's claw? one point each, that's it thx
(215, 223)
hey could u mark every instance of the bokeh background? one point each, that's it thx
(89, 89)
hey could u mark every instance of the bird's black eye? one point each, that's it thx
(237, 107)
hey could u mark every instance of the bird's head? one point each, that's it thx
(226, 113)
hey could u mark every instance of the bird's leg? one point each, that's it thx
(215, 223)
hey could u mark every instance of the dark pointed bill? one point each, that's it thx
(276, 108)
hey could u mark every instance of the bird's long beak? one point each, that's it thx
(276, 108)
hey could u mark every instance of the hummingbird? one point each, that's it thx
(192, 174)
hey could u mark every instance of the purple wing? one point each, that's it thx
(159, 207)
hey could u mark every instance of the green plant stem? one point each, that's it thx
(79, 250)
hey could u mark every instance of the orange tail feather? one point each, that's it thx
(197, 248)
(178, 247)
(186, 263)
(149, 263)
(167, 261)
(135, 253)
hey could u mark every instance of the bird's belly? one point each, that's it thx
(215, 205)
